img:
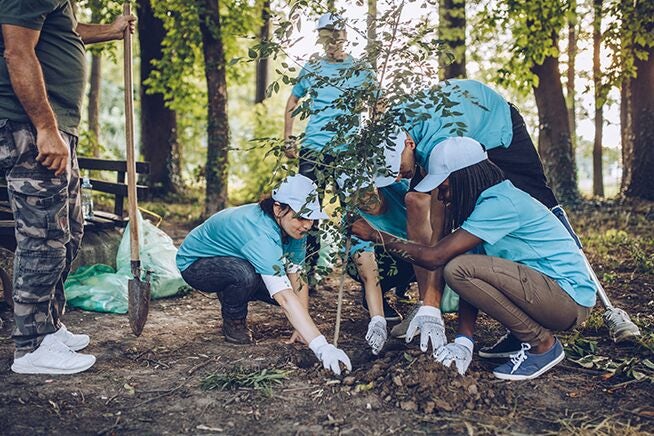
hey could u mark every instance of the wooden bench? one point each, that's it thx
(101, 227)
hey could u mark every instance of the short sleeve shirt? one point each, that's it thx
(328, 85)
(392, 220)
(478, 112)
(60, 52)
(245, 232)
(516, 227)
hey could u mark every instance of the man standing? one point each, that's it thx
(42, 76)
(332, 83)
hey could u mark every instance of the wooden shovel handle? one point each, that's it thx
(129, 145)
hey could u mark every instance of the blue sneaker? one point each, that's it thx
(526, 366)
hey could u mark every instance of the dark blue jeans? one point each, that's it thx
(233, 279)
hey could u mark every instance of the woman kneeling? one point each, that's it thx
(256, 252)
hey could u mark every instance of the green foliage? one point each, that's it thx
(262, 380)
(535, 26)
(629, 36)
(622, 251)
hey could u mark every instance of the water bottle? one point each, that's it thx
(87, 198)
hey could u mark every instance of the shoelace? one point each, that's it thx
(520, 356)
(616, 317)
(500, 340)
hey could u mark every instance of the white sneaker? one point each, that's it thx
(52, 357)
(71, 340)
(621, 328)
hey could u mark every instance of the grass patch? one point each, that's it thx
(260, 380)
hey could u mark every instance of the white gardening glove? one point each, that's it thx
(429, 321)
(376, 335)
(459, 352)
(330, 356)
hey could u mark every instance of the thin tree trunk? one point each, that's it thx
(554, 143)
(158, 123)
(598, 177)
(638, 136)
(452, 30)
(217, 125)
(371, 47)
(262, 63)
(94, 103)
(570, 85)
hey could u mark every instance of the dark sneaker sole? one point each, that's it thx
(237, 341)
(538, 373)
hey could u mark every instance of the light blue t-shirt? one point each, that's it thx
(478, 112)
(392, 220)
(326, 82)
(245, 232)
(516, 227)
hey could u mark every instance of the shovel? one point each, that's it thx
(138, 290)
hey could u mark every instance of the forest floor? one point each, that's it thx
(170, 380)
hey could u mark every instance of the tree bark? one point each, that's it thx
(94, 103)
(638, 131)
(554, 144)
(158, 123)
(452, 30)
(570, 85)
(217, 124)
(262, 63)
(598, 177)
(371, 47)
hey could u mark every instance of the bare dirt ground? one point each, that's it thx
(157, 383)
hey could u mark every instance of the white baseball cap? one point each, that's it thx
(301, 194)
(451, 155)
(330, 21)
(392, 159)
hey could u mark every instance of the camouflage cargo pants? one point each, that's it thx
(49, 225)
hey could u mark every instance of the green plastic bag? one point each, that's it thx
(100, 288)
(449, 300)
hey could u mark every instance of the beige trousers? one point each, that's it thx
(526, 302)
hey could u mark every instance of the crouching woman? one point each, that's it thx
(532, 279)
(255, 252)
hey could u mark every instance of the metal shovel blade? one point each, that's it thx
(138, 301)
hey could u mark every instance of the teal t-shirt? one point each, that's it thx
(60, 52)
(516, 227)
(329, 86)
(245, 232)
(478, 112)
(392, 221)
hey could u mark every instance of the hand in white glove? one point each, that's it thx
(429, 321)
(376, 335)
(330, 356)
(459, 352)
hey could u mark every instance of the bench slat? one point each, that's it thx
(89, 163)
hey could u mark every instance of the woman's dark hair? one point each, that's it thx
(266, 204)
(465, 186)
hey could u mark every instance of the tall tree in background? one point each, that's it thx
(93, 109)
(535, 26)
(262, 62)
(159, 143)
(217, 123)
(637, 105)
(570, 84)
(600, 98)
(452, 32)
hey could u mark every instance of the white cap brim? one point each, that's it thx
(309, 211)
(430, 182)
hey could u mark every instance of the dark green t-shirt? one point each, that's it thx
(60, 51)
